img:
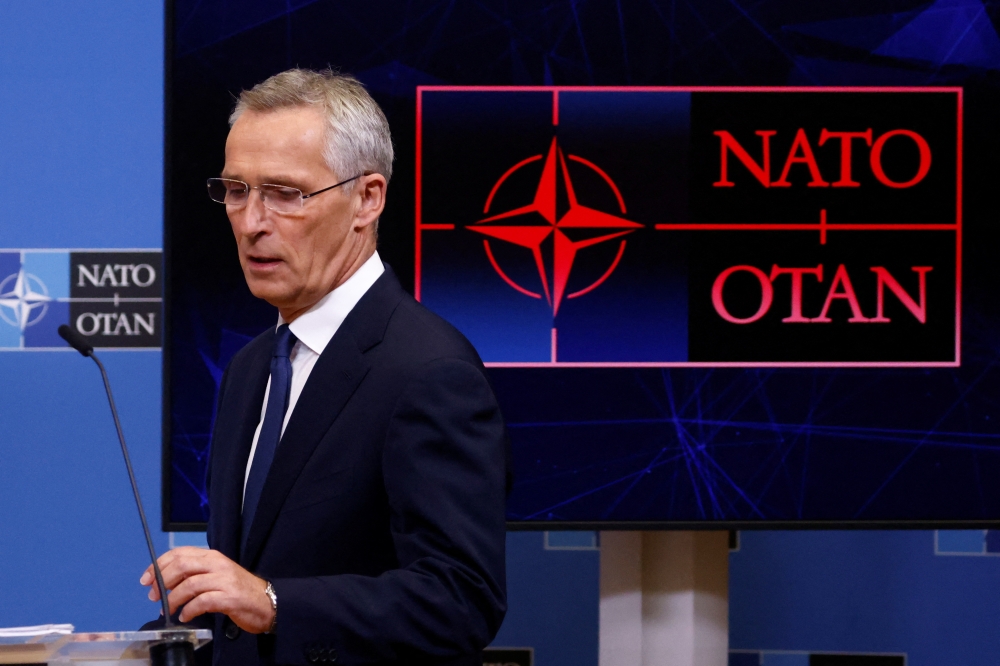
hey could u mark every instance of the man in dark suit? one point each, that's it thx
(358, 464)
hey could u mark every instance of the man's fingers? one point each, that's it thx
(209, 602)
(184, 565)
(201, 581)
(148, 578)
(191, 588)
(179, 564)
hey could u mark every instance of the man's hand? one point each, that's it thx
(206, 581)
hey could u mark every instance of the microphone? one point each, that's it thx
(75, 340)
(172, 652)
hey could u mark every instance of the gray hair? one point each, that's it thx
(357, 133)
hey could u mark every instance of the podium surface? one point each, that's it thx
(129, 648)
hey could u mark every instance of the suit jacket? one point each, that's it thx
(381, 522)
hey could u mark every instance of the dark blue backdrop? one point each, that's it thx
(590, 446)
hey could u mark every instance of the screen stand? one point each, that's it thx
(664, 599)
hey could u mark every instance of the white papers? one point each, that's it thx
(38, 630)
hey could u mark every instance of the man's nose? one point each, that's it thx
(254, 212)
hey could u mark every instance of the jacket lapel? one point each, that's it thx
(333, 380)
(233, 438)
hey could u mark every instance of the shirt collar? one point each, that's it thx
(316, 326)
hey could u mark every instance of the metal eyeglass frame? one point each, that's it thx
(302, 196)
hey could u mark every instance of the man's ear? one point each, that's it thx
(371, 194)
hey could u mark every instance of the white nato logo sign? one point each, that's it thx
(24, 299)
(115, 298)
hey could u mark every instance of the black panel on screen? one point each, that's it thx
(640, 265)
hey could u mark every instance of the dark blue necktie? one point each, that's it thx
(270, 431)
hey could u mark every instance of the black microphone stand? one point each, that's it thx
(174, 652)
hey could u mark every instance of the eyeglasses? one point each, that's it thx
(279, 198)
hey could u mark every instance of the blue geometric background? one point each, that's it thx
(823, 446)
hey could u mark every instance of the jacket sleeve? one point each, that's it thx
(444, 468)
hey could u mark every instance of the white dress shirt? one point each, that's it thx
(314, 330)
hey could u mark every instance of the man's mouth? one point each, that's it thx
(263, 261)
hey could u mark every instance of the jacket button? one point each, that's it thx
(312, 655)
(232, 631)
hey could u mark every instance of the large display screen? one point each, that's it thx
(739, 274)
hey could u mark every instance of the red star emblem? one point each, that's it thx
(532, 233)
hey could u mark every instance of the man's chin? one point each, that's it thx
(269, 291)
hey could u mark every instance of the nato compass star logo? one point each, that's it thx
(555, 212)
(535, 213)
(24, 300)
